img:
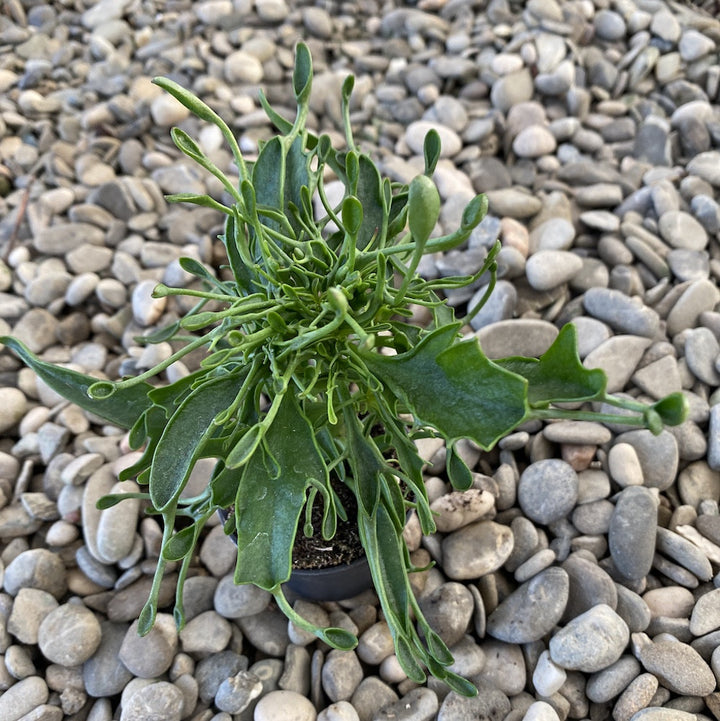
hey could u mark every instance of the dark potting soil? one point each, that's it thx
(343, 547)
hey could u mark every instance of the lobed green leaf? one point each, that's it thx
(182, 440)
(454, 388)
(123, 407)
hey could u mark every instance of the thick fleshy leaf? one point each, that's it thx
(267, 508)
(123, 407)
(454, 388)
(302, 73)
(184, 435)
(673, 409)
(370, 194)
(558, 375)
(366, 464)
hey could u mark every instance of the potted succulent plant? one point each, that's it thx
(314, 377)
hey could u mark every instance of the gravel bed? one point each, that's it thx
(579, 578)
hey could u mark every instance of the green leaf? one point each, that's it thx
(381, 541)
(352, 215)
(204, 201)
(558, 375)
(245, 447)
(112, 499)
(454, 388)
(460, 685)
(366, 463)
(146, 619)
(180, 543)
(302, 73)
(123, 408)
(182, 440)
(267, 510)
(673, 409)
(458, 473)
(474, 211)
(338, 638)
(423, 208)
(431, 151)
(193, 104)
(406, 659)
(370, 194)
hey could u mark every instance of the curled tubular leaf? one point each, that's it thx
(423, 208)
(431, 150)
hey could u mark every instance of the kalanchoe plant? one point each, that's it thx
(312, 371)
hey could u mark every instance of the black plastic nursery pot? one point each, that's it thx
(330, 583)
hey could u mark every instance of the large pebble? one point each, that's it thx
(680, 230)
(548, 269)
(36, 568)
(154, 701)
(679, 667)
(631, 536)
(490, 704)
(284, 706)
(150, 656)
(448, 610)
(477, 549)
(531, 611)
(624, 314)
(103, 673)
(658, 456)
(548, 490)
(69, 635)
(591, 641)
(457, 509)
(420, 704)
(341, 675)
(22, 697)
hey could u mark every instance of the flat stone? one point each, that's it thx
(589, 585)
(534, 141)
(476, 550)
(658, 456)
(156, 700)
(236, 693)
(504, 667)
(683, 552)
(22, 697)
(706, 166)
(699, 296)
(618, 357)
(621, 312)
(207, 633)
(150, 656)
(547, 490)
(680, 230)
(512, 89)
(235, 601)
(531, 611)
(513, 203)
(420, 704)
(611, 681)
(591, 641)
(284, 706)
(448, 610)
(631, 536)
(679, 667)
(69, 635)
(103, 673)
(490, 704)
(459, 508)
(37, 568)
(548, 269)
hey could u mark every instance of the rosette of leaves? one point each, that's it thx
(312, 370)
